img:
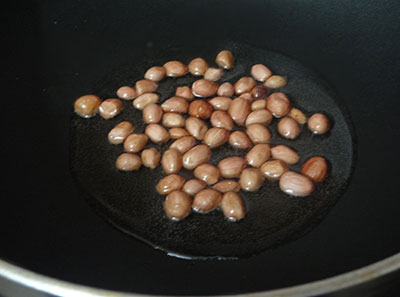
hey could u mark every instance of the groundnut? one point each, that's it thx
(258, 104)
(196, 127)
(220, 103)
(151, 157)
(155, 73)
(204, 88)
(183, 144)
(260, 116)
(240, 140)
(171, 119)
(227, 185)
(176, 133)
(258, 155)
(233, 207)
(184, 92)
(259, 92)
(315, 168)
(284, 153)
(260, 72)
(152, 113)
(175, 69)
(193, 186)
(239, 110)
(206, 200)
(295, 184)
(220, 119)
(170, 183)
(213, 74)
(198, 66)
(110, 108)
(157, 133)
(278, 104)
(298, 115)
(224, 59)
(273, 169)
(128, 162)
(126, 93)
(288, 128)
(135, 143)
(275, 82)
(171, 161)
(200, 109)
(216, 137)
(87, 106)
(195, 156)
(258, 133)
(143, 100)
(175, 104)
(208, 173)
(318, 123)
(145, 86)
(231, 166)
(246, 96)
(250, 179)
(244, 85)
(226, 90)
(177, 205)
(120, 132)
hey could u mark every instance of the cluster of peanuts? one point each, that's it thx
(214, 186)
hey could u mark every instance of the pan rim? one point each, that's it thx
(342, 281)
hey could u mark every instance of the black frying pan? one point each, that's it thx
(341, 58)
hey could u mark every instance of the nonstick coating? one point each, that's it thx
(130, 201)
(57, 51)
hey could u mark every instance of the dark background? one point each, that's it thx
(56, 50)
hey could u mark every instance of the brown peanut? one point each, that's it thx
(288, 128)
(318, 123)
(200, 109)
(128, 162)
(260, 72)
(206, 200)
(172, 119)
(298, 115)
(184, 92)
(87, 106)
(204, 88)
(275, 82)
(155, 73)
(231, 166)
(220, 103)
(175, 104)
(224, 59)
(240, 140)
(151, 157)
(120, 132)
(258, 155)
(170, 183)
(295, 184)
(193, 186)
(258, 133)
(284, 153)
(183, 144)
(145, 86)
(171, 161)
(176, 133)
(195, 156)
(233, 207)
(247, 96)
(213, 74)
(157, 133)
(177, 205)
(244, 85)
(143, 100)
(260, 116)
(226, 90)
(175, 69)
(250, 179)
(278, 104)
(152, 113)
(227, 185)
(239, 110)
(134, 143)
(258, 104)
(110, 108)
(220, 119)
(198, 66)
(126, 93)
(207, 173)
(273, 169)
(216, 137)
(196, 127)
(315, 168)
(259, 92)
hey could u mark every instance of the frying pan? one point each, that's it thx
(54, 226)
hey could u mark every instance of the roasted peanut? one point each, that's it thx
(134, 143)
(172, 119)
(250, 179)
(247, 96)
(195, 156)
(110, 108)
(206, 200)
(196, 127)
(278, 104)
(224, 59)
(175, 104)
(258, 155)
(295, 184)
(193, 186)
(275, 82)
(258, 104)
(288, 128)
(157, 133)
(204, 88)
(126, 93)
(143, 100)
(260, 72)
(240, 140)
(239, 110)
(183, 144)
(170, 183)
(227, 185)
(216, 137)
(315, 168)
(284, 153)
(213, 74)
(260, 116)
(198, 66)
(200, 109)
(220, 103)
(120, 132)
(318, 123)
(233, 207)
(259, 92)
(231, 166)
(128, 162)
(184, 92)
(171, 161)
(151, 157)
(175, 69)
(258, 133)
(177, 205)
(176, 133)
(226, 90)
(298, 115)
(155, 73)
(273, 169)
(244, 85)
(152, 113)
(145, 86)
(87, 106)
(208, 173)
(220, 119)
